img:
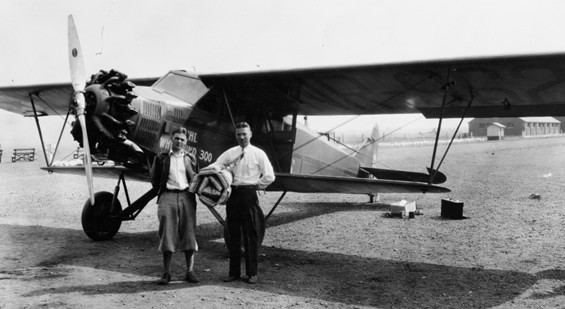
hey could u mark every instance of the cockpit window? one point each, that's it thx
(184, 87)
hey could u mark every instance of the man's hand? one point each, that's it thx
(210, 169)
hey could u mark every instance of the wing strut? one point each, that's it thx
(60, 136)
(36, 116)
(221, 220)
(275, 206)
(269, 127)
(435, 171)
(228, 106)
(445, 89)
(38, 128)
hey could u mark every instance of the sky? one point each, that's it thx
(148, 38)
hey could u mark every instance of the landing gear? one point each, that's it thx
(101, 221)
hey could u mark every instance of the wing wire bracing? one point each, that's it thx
(38, 95)
(368, 111)
(370, 143)
(445, 90)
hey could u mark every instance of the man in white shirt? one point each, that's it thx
(252, 171)
(171, 175)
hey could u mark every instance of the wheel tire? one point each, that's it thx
(262, 227)
(97, 222)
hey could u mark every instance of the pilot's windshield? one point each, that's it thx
(183, 87)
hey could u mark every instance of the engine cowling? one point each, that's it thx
(110, 118)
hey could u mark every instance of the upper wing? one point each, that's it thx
(53, 99)
(513, 86)
(530, 85)
(49, 99)
(350, 185)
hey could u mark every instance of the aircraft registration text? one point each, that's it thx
(204, 155)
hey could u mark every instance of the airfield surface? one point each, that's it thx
(320, 251)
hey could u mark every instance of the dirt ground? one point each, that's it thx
(320, 251)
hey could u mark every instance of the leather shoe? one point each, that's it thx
(190, 277)
(252, 280)
(231, 279)
(165, 279)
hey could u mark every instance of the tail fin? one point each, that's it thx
(367, 153)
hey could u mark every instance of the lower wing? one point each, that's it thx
(351, 185)
(107, 170)
(285, 182)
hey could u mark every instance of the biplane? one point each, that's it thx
(127, 121)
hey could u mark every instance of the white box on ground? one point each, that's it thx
(398, 207)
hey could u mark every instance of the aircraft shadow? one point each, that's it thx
(298, 212)
(301, 211)
(358, 281)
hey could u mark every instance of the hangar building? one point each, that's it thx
(523, 126)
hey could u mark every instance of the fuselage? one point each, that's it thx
(180, 99)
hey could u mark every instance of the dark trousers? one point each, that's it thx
(242, 212)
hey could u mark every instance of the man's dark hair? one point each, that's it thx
(240, 125)
(181, 130)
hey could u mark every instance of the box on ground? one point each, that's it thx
(451, 209)
(397, 208)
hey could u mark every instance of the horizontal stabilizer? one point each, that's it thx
(388, 174)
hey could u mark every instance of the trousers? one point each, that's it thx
(243, 214)
(177, 221)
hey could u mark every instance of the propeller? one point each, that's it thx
(78, 78)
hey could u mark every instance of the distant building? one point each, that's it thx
(523, 126)
(495, 131)
(562, 119)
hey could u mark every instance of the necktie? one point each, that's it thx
(240, 157)
(237, 159)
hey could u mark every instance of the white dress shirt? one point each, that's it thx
(177, 172)
(251, 168)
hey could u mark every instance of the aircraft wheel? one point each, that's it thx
(97, 222)
(227, 237)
